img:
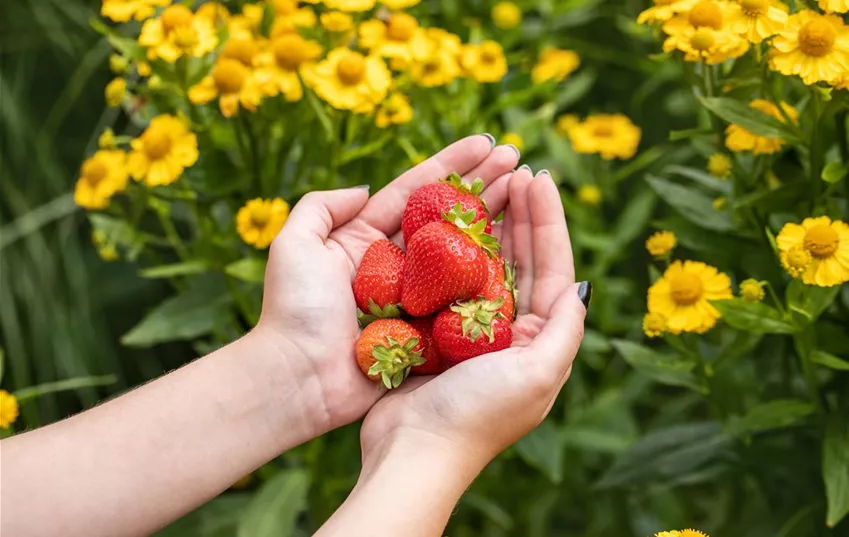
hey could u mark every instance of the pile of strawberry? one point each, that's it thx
(451, 297)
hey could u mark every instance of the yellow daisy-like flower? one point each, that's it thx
(756, 19)
(349, 81)
(336, 21)
(691, 533)
(506, 15)
(484, 62)
(752, 290)
(654, 324)
(278, 66)
(233, 83)
(739, 139)
(555, 64)
(834, 6)
(399, 37)
(115, 91)
(215, 13)
(124, 10)
(178, 32)
(702, 35)
(243, 48)
(661, 243)
(673, 533)
(683, 293)
(823, 243)
(589, 195)
(288, 17)
(440, 66)
(719, 165)
(247, 23)
(395, 110)
(610, 135)
(163, 151)
(663, 10)
(350, 5)
(260, 220)
(101, 177)
(8, 409)
(512, 138)
(398, 5)
(813, 46)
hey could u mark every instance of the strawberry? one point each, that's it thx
(388, 349)
(377, 283)
(500, 283)
(471, 328)
(433, 361)
(428, 203)
(446, 261)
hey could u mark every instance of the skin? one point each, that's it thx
(136, 463)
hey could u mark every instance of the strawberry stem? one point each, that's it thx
(393, 361)
(465, 222)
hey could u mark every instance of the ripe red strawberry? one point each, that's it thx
(387, 349)
(433, 360)
(500, 283)
(430, 202)
(377, 283)
(446, 261)
(471, 328)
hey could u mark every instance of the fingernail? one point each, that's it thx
(585, 293)
(524, 167)
(544, 172)
(514, 148)
(361, 187)
(490, 137)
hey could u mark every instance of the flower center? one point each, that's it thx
(603, 131)
(240, 49)
(176, 16)
(351, 69)
(401, 27)
(185, 37)
(816, 38)
(702, 40)
(705, 13)
(754, 8)
(431, 66)
(490, 52)
(821, 241)
(261, 215)
(229, 75)
(94, 171)
(157, 143)
(686, 289)
(290, 51)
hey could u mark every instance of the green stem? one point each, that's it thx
(775, 299)
(171, 234)
(805, 344)
(254, 151)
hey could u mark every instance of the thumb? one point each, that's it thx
(318, 213)
(557, 344)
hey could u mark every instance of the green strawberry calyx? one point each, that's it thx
(394, 360)
(477, 315)
(465, 222)
(456, 181)
(375, 312)
(510, 282)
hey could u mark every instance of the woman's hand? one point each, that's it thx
(309, 307)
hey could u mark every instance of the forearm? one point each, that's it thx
(142, 460)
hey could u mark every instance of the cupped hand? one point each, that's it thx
(308, 306)
(485, 404)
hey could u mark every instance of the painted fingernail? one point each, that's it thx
(490, 137)
(585, 293)
(524, 167)
(514, 148)
(544, 172)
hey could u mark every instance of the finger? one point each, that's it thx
(384, 210)
(553, 267)
(501, 160)
(519, 228)
(320, 212)
(555, 347)
(496, 194)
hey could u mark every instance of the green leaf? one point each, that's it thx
(755, 317)
(776, 414)
(177, 269)
(362, 151)
(33, 392)
(835, 469)
(249, 269)
(190, 314)
(833, 172)
(542, 448)
(829, 360)
(218, 518)
(490, 509)
(275, 509)
(755, 121)
(670, 369)
(810, 300)
(720, 186)
(633, 218)
(691, 204)
(574, 89)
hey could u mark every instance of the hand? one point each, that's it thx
(309, 308)
(481, 406)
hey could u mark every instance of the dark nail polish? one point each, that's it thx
(585, 293)
(516, 149)
(490, 137)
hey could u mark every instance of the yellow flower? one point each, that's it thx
(823, 243)
(683, 293)
(673, 533)
(589, 195)
(691, 533)
(751, 290)
(349, 81)
(399, 37)
(277, 67)
(118, 64)
(756, 19)
(259, 221)
(484, 62)
(719, 165)
(654, 324)
(813, 46)
(739, 139)
(834, 6)
(702, 35)
(288, 17)
(107, 139)
(8, 409)
(143, 69)
(178, 32)
(124, 10)
(398, 5)
(395, 110)
(506, 15)
(115, 92)
(163, 151)
(350, 5)
(512, 138)
(555, 64)
(661, 243)
(440, 65)
(336, 21)
(565, 122)
(719, 203)
(610, 135)
(243, 48)
(101, 176)
(232, 83)
(663, 10)
(247, 23)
